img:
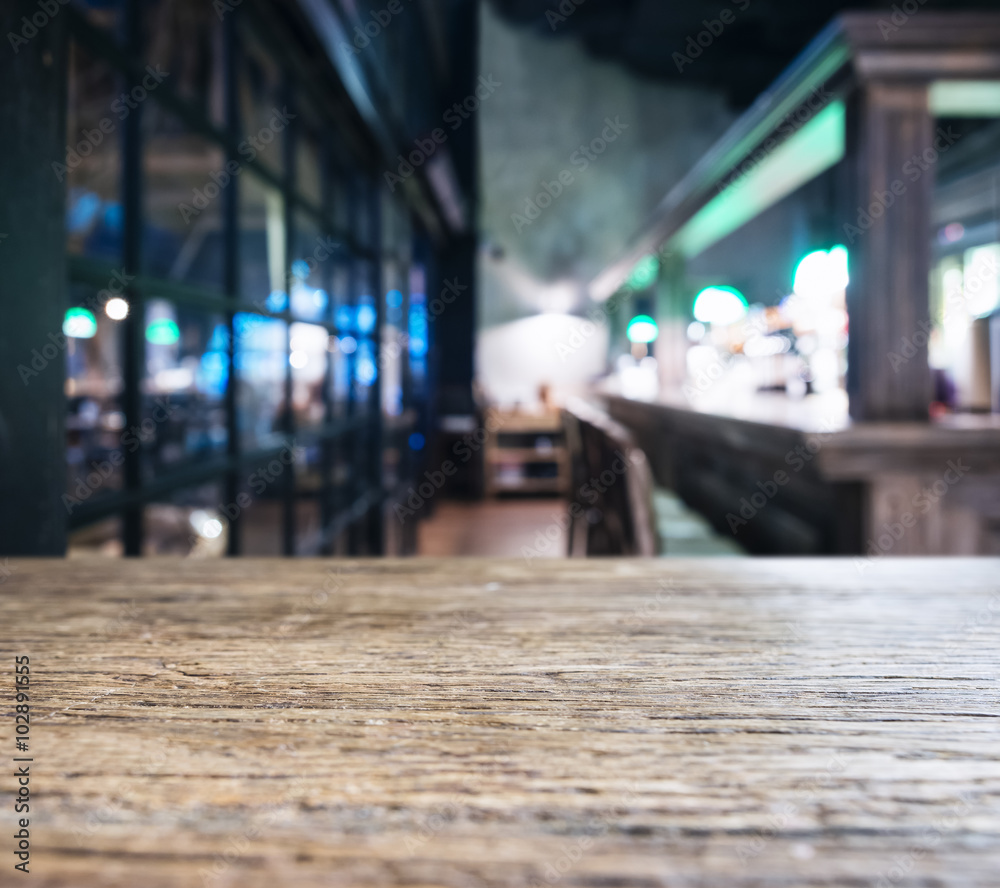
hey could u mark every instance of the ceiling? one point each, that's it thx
(747, 54)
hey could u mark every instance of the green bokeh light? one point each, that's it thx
(163, 332)
(822, 273)
(642, 328)
(80, 323)
(720, 305)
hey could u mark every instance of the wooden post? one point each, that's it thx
(890, 169)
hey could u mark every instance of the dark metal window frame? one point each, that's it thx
(352, 514)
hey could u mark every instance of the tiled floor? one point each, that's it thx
(508, 528)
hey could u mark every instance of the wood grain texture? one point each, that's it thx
(496, 723)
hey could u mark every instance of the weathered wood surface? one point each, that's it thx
(486, 723)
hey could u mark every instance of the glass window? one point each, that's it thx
(393, 354)
(418, 332)
(312, 258)
(308, 357)
(308, 525)
(308, 156)
(184, 37)
(363, 212)
(364, 370)
(261, 104)
(261, 366)
(310, 462)
(189, 523)
(184, 385)
(340, 376)
(185, 175)
(260, 506)
(96, 438)
(965, 275)
(92, 166)
(340, 196)
(262, 244)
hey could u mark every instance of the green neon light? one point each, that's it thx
(822, 273)
(965, 98)
(642, 328)
(163, 332)
(645, 273)
(720, 305)
(815, 148)
(79, 324)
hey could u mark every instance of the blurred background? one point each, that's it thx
(515, 278)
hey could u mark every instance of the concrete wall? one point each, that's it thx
(618, 143)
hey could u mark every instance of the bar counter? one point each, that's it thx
(830, 486)
(496, 723)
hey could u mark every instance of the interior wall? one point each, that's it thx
(609, 146)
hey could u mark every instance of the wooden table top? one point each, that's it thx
(486, 723)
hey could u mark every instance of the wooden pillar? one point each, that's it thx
(33, 268)
(890, 170)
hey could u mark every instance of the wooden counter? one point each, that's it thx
(482, 723)
(844, 483)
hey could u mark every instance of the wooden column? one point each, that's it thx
(890, 171)
(33, 270)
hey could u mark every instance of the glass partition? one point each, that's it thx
(965, 247)
(748, 297)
